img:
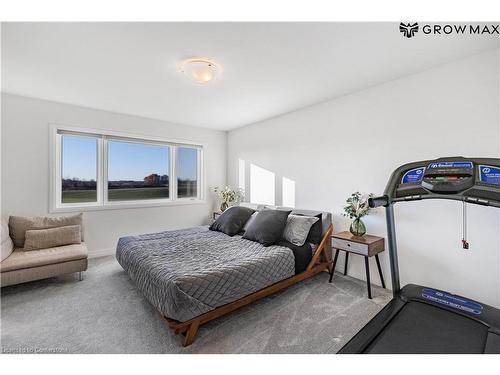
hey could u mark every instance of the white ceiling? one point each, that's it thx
(269, 68)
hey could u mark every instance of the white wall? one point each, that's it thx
(354, 143)
(25, 167)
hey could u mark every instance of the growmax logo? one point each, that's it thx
(408, 29)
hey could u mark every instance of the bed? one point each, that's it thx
(194, 275)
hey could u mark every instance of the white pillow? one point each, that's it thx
(297, 228)
(7, 245)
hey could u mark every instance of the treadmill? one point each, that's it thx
(423, 319)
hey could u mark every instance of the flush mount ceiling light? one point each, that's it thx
(200, 70)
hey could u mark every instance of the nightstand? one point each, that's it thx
(366, 245)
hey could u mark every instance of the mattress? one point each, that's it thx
(185, 273)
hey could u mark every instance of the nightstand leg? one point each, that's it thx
(367, 266)
(380, 271)
(346, 262)
(334, 264)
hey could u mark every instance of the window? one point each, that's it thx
(137, 171)
(79, 169)
(109, 170)
(187, 172)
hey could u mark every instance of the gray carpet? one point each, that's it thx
(105, 313)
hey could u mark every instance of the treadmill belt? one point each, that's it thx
(422, 328)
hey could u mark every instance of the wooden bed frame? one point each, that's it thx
(317, 264)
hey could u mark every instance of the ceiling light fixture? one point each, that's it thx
(200, 70)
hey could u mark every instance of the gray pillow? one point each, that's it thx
(267, 227)
(297, 228)
(316, 233)
(52, 237)
(18, 225)
(232, 220)
(249, 221)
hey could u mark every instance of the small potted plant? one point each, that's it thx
(356, 207)
(228, 195)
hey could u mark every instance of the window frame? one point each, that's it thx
(103, 136)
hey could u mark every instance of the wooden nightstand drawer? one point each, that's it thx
(354, 247)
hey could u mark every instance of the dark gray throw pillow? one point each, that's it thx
(249, 221)
(267, 227)
(232, 220)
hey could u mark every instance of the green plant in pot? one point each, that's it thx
(228, 195)
(356, 207)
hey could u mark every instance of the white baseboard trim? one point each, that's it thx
(102, 253)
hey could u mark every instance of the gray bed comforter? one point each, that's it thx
(187, 272)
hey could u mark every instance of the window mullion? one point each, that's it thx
(104, 170)
(173, 173)
(200, 176)
(58, 170)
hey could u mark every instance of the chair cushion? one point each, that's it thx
(18, 225)
(20, 259)
(42, 272)
(52, 237)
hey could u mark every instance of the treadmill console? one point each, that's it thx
(473, 180)
(448, 177)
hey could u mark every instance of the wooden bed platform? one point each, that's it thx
(320, 261)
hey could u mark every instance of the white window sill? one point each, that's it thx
(125, 205)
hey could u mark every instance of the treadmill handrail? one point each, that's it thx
(378, 201)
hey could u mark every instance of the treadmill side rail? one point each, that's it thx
(358, 343)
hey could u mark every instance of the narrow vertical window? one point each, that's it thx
(78, 169)
(187, 172)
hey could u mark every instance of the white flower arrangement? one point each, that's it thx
(228, 195)
(357, 205)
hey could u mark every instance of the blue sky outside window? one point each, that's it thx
(138, 171)
(79, 169)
